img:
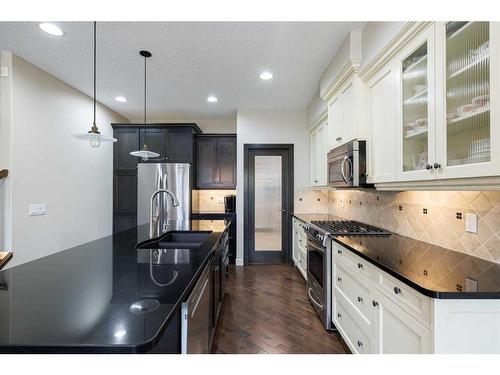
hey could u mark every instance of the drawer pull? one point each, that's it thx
(374, 303)
(360, 300)
(360, 266)
(339, 315)
(397, 290)
(339, 279)
(360, 344)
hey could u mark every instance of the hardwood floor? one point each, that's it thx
(266, 310)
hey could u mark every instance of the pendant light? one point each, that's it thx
(94, 136)
(144, 153)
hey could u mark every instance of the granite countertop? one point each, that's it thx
(432, 270)
(80, 299)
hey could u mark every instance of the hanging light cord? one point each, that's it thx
(145, 93)
(94, 126)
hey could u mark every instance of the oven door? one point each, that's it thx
(316, 263)
(341, 170)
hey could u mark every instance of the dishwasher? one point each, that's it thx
(195, 318)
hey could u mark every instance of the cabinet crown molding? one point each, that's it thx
(318, 120)
(407, 33)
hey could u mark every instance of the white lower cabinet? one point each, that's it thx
(379, 314)
(395, 331)
(299, 246)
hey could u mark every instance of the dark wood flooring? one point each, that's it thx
(266, 310)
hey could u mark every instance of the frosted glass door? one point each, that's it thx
(268, 201)
(467, 93)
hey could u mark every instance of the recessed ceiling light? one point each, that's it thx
(212, 99)
(121, 99)
(51, 29)
(266, 75)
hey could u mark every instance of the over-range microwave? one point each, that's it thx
(347, 165)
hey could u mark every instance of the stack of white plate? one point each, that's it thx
(479, 151)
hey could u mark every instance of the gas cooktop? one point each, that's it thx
(349, 228)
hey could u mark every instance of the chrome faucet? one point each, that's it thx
(154, 218)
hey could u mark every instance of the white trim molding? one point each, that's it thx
(239, 262)
(323, 116)
(350, 68)
(409, 32)
(477, 183)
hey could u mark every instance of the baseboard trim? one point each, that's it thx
(239, 262)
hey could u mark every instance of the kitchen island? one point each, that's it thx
(105, 296)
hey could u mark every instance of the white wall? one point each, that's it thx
(375, 36)
(49, 165)
(270, 126)
(207, 124)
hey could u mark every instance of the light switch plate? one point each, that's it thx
(471, 223)
(37, 209)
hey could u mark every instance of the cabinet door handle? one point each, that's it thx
(437, 165)
(360, 344)
(338, 139)
(360, 300)
(397, 290)
(374, 303)
(428, 166)
(360, 266)
(339, 251)
(339, 279)
(339, 315)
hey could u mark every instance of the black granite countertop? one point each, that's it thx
(80, 299)
(432, 270)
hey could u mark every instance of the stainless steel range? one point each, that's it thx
(319, 260)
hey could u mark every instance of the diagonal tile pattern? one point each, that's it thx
(403, 213)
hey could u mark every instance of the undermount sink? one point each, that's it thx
(177, 240)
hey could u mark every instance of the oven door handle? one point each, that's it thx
(320, 306)
(315, 247)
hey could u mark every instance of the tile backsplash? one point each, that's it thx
(209, 200)
(437, 217)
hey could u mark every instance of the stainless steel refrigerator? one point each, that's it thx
(171, 176)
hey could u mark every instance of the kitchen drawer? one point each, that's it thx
(357, 338)
(355, 288)
(302, 242)
(302, 263)
(347, 256)
(413, 302)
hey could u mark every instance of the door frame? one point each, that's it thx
(290, 199)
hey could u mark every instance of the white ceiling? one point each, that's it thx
(190, 61)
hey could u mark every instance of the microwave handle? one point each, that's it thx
(342, 169)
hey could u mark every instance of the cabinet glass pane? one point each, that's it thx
(467, 93)
(268, 195)
(415, 123)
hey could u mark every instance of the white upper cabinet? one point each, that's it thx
(319, 151)
(468, 131)
(415, 109)
(345, 114)
(381, 121)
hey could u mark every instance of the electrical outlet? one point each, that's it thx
(37, 209)
(471, 223)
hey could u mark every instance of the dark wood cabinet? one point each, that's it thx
(174, 143)
(216, 161)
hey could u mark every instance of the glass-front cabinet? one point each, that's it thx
(468, 138)
(415, 113)
(446, 79)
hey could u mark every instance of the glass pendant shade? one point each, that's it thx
(145, 154)
(93, 136)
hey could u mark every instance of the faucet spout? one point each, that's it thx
(152, 218)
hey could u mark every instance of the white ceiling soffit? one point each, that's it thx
(191, 60)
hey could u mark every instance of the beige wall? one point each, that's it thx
(440, 226)
(49, 165)
(209, 200)
(219, 125)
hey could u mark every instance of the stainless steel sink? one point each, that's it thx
(177, 240)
